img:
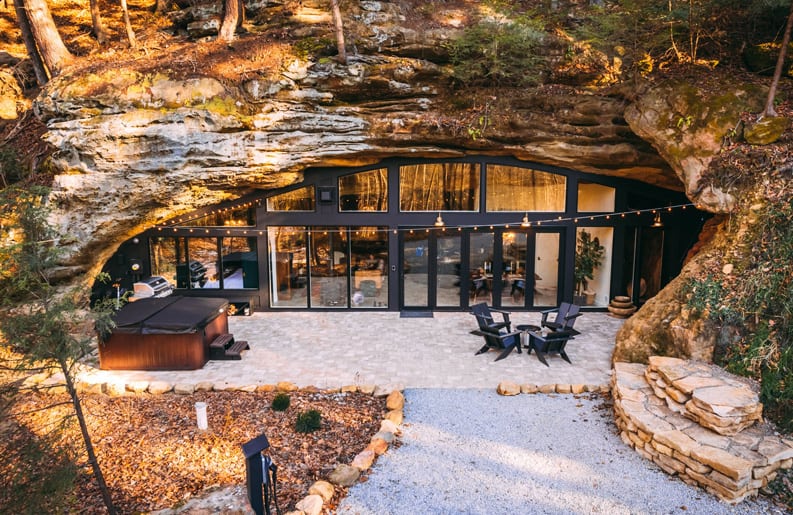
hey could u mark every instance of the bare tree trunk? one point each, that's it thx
(89, 447)
(231, 16)
(96, 20)
(30, 43)
(342, 57)
(780, 63)
(127, 25)
(53, 52)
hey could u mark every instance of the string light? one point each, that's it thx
(238, 228)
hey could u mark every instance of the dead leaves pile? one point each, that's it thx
(153, 456)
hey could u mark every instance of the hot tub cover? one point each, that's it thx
(168, 315)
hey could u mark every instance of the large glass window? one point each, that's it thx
(288, 266)
(240, 265)
(510, 188)
(204, 252)
(369, 267)
(168, 256)
(301, 199)
(594, 290)
(364, 191)
(238, 217)
(514, 251)
(439, 187)
(480, 267)
(595, 198)
(328, 267)
(448, 261)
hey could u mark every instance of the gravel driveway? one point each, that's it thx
(475, 452)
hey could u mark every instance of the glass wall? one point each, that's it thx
(597, 289)
(288, 266)
(301, 199)
(514, 258)
(328, 267)
(195, 263)
(447, 277)
(480, 267)
(439, 187)
(235, 217)
(369, 267)
(510, 188)
(546, 269)
(364, 191)
(415, 269)
(595, 198)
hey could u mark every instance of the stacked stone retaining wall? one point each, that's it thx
(732, 467)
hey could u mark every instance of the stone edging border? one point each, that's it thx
(320, 492)
(508, 388)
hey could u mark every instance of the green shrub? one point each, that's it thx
(308, 421)
(760, 307)
(499, 54)
(281, 402)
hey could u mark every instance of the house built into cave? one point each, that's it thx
(420, 234)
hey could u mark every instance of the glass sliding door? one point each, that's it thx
(545, 268)
(369, 267)
(288, 266)
(328, 267)
(415, 269)
(447, 270)
(514, 253)
(480, 267)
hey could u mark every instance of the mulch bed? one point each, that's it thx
(153, 456)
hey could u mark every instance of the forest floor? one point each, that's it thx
(153, 456)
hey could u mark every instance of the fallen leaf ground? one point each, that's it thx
(154, 457)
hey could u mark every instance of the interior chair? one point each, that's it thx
(553, 341)
(498, 335)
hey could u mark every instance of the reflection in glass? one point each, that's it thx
(513, 292)
(439, 187)
(369, 267)
(240, 266)
(480, 262)
(168, 258)
(301, 199)
(239, 217)
(595, 198)
(546, 269)
(203, 260)
(447, 285)
(510, 188)
(328, 267)
(364, 191)
(288, 268)
(415, 260)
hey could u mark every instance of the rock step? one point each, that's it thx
(729, 467)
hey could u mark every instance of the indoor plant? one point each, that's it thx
(588, 257)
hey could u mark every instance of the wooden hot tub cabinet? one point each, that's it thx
(171, 333)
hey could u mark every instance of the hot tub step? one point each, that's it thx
(225, 347)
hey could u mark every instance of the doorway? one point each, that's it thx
(510, 268)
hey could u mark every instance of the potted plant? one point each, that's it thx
(588, 257)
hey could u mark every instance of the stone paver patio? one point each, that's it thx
(334, 349)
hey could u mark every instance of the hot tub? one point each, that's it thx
(171, 333)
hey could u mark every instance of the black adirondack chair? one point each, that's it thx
(565, 317)
(498, 335)
(553, 341)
